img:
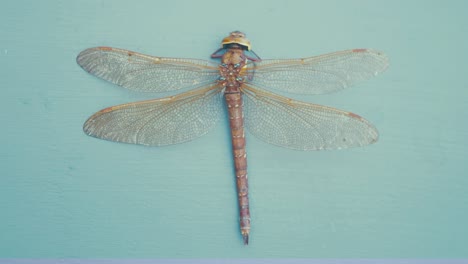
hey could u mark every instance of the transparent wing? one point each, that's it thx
(317, 75)
(297, 125)
(145, 73)
(159, 122)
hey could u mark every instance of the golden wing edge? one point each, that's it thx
(374, 133)
(91, 129)
(378, 55)
(149, 58)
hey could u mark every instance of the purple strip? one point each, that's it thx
(232, 261)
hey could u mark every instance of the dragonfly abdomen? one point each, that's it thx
(236, 122)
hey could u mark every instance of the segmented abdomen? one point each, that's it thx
(236, 121)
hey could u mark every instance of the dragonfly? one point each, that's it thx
(244, 84)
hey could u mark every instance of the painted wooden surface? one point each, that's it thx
(63, 194)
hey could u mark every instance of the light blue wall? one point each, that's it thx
(63, 194)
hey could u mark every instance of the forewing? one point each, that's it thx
(317, 75)
(159, 122)
(303, 126)
(145, 73)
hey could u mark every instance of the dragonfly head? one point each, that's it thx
(236, 38)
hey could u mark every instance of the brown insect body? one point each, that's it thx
(273, 118)
(233, 62)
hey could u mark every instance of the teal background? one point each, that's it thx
(65, 195)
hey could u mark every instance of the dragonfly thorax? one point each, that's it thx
(231, 68)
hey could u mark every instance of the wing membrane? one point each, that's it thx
(159, 122)
(298, 125)
(145, 73)
(320, 74)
